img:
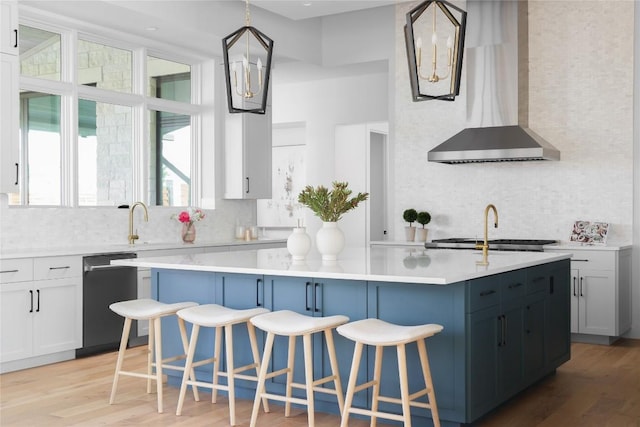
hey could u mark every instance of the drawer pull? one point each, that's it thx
(485, 293)
(59, 268)
(9, 271)
(515, 285)
(579, 260)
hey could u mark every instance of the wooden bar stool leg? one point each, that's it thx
(260, 387)
(290, 363)
(256, 358)
(185, 347)
(355, 366)
(375, 392)
(334, 367)
(158, 359)
(216, 363)
(308, 374)
(426, 372)
(404, 384)
(122, 349)
(188, 367)
(150, 353)
(231, 377)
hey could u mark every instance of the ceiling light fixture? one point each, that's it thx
(248, 91)
(444, 22)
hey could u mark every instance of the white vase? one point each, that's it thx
(299, 243)
(410, 233)
(330, 241)
(422, 234)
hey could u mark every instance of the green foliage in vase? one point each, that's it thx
(410, 215)
(423, 218)
(330, 205)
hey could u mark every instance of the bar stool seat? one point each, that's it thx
(291, 324)
(378, 333)
(153, 311)
(221, 318)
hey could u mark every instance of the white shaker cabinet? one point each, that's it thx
(9, 101)
(41, 317)
(600, 293)
(247, 152)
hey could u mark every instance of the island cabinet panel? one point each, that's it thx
(316, 297)
(414, 304)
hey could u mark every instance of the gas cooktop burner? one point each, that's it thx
(495, 244)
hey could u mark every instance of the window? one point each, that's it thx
(87, 142)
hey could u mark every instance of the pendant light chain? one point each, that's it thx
(247, 16)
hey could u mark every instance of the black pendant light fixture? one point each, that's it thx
(247, 67)
(437, 75)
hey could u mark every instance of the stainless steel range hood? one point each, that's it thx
(497, 95)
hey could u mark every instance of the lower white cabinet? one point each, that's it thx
(40, 310)
(600, 293)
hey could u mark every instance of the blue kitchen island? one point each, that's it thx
(506, 324)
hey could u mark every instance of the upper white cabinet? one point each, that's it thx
(9, 27)
(247, 149)
(9, 101)
(600, 293)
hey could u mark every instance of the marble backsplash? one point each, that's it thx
(43, 227)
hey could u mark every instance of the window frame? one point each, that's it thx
(71, 91)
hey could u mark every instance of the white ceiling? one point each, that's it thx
(303, 9)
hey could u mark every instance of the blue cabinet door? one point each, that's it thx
(534, 337)
(558, 314)
(412, 304)
(511, 333)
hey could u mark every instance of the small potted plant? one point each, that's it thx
(329, 206)
(423, 218)
(410, 215)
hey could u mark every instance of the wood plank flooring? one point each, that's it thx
(600, 386)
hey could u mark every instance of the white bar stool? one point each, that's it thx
(290, 324)
(153, 311)
(219, 317)
(379, 333)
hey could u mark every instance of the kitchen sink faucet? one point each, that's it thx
(134, 237)
(485, 245)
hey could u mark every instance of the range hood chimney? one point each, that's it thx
(497, 76)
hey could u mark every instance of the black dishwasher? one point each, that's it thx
(102, 285)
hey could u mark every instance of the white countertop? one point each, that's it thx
(570, 246)
(378, 263)
(139, 248)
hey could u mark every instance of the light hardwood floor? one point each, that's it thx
(600, 386)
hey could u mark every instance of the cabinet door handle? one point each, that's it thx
(575, 293)
(316, 298)
(17, 171)
(528, 329)
(31, 294)
(9, 271)
(247, 185)
(306, 296)
(504, 330)
(581, 288)
(485, 293)
(258, 303)
(551, 288)
(501, 330)
(38, 308)
(15, 31)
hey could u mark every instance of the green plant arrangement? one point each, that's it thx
(330, 205)
(410, 215)
(423, 218)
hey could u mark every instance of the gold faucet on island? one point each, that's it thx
(134, 237)
(485, 245)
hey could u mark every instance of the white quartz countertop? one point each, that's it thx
(378, 263)
(139, 248)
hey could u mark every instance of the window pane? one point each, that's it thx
(105, 165)
(169, 159)
(40, 131)
(103, 66)
(168, 79)
(39, 53)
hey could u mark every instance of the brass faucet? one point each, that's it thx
(485, 246)
(134, 237)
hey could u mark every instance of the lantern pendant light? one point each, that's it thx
(439, 77)
(247, 66)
